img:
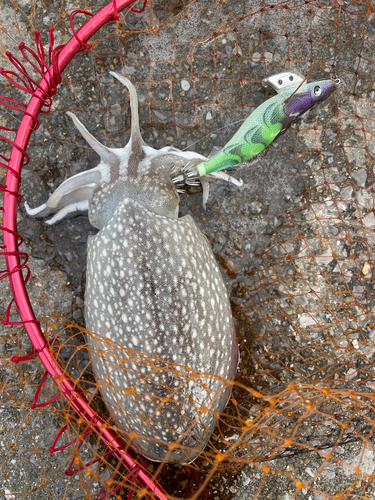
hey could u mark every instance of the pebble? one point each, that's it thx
(366, 268)
(185, 85)
(256, 208)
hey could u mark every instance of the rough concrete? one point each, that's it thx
(296, 242)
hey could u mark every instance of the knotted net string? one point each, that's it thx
(296, 248)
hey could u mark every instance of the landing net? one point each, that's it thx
(295, 245)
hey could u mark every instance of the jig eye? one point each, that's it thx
(317, 90)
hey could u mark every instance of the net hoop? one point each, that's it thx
(41, 93)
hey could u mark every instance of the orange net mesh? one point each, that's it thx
(295, 245)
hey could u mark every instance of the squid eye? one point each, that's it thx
(317, 90)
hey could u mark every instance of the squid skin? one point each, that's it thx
(153, 285)
(266, 122)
